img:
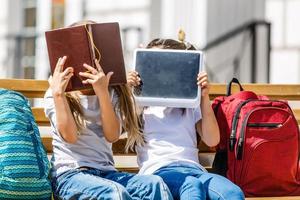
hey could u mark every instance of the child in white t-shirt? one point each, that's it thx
(170, 148)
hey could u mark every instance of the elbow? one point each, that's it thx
(69, 136)
(71, 140)
(112, 139)
(214, 142)
(112, 136)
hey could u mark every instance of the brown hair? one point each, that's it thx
(125, 105)
(170, 44)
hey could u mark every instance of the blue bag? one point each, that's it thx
(24, 166)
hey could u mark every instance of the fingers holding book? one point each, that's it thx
(60, 64)
(97, 79)
(60, 78)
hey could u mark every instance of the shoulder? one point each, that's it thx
(48, 94)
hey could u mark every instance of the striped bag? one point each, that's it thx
(24, 167)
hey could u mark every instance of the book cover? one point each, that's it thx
(82, 44)
(107, 39)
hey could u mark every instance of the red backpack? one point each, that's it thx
(259, 146)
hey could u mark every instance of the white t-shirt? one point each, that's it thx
(90, 150)
(170, 136)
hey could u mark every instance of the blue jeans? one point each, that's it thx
(187, 181)
(78, 184)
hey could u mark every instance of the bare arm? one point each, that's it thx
(109, 119)
(207, 127)
(64, 119)
(110, 122)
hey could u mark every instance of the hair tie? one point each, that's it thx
(181, 35)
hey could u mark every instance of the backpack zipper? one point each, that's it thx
(239, 151)
(232, 138)
(264, 125)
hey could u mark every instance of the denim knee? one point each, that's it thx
(192, 188)
(194, 182)
(149, 187)
(114, 192)
(233, 192)
(151, 179)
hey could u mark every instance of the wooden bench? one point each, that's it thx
(37, 88)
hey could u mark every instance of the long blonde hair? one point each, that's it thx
(131, 121)
(125, 105)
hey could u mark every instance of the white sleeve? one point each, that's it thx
(49, 107)
(197, 114)
(50, 112)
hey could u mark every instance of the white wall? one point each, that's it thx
(43, 24)
(73, 11)
(285, 56)
(3, 42)
(11, 24)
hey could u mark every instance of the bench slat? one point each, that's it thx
(47, 141)
(40, 116)
(28, 87)
(273, 91)
(36, 88)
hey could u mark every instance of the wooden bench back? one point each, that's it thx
(37, 88)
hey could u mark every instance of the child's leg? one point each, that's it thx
(142, 186)
(181, 184)
(192, 188)
(87, 184)
(219, 187)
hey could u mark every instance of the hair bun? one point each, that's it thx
(181, 35)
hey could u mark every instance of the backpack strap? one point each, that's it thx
(234, 80)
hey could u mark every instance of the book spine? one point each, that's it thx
(91, 46)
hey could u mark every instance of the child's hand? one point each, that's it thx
(60, 79)
(133, 79)
(96, 77)
(202, 81)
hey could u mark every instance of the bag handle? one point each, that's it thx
(234, 80)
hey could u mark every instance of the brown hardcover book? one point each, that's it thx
(82, 44)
